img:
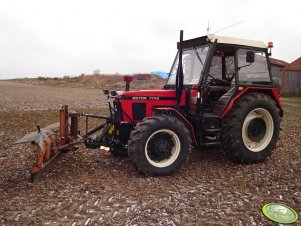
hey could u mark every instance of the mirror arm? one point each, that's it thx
(244, 66)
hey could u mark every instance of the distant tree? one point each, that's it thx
(96, 72)
(42, 78)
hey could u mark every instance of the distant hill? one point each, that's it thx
(114, 81)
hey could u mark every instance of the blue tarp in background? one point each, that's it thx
(161, 74)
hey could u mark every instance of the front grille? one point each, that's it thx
(139, 111)
(117, 111)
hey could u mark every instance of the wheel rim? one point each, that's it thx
(162, 148)
(257, 130)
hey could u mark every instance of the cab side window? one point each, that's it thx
(256, 72)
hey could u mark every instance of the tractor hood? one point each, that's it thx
(136, 105)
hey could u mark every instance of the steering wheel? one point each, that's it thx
(217, 81)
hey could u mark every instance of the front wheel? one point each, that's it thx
(159, 145)
(251, 129)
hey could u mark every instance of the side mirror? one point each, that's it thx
(250, 57)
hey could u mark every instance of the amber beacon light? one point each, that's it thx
(270, 46)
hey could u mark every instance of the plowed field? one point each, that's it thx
(89, 188)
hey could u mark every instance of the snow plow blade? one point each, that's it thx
(51, 142)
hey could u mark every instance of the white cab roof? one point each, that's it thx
(236, 41)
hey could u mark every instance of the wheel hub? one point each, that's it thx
(256, 129)
(160, 147)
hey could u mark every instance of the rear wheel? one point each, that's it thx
(257, 129)
(159, 145)
(251, 129)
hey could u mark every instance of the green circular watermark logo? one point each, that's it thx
(280, 213)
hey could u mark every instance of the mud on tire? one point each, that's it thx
(159, 145)
(251, 128)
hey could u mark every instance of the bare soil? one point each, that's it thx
(21, 96)
(89, 188)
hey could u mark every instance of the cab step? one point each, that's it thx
(212, 144)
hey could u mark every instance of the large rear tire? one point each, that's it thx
(251, 128)
(159, 145)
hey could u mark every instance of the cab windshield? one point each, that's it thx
(193, 60)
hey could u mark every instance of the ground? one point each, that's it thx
(89, 188)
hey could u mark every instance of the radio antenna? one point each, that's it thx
(227, 27)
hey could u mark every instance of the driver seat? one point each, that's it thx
(223, 101)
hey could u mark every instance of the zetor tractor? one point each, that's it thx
(219, 92)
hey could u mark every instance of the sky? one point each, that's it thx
(61, 37)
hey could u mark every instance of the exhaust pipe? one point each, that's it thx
(127, 79)
(179, 76)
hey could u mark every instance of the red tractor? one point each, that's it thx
(219, 92)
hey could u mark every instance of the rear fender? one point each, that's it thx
(177, 114)
(272, 92)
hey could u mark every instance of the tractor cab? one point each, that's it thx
(216, 66)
